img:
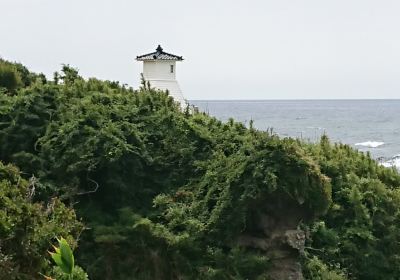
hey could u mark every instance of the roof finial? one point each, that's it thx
(159, 54)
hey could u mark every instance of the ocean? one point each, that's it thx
(368, 125)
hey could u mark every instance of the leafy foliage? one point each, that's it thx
(63, 256)
(15, 75)
(77, 274)
(165, 194)
(27, 227)
(9, 77)
(361, 230)
(317, 270)
(64, 259)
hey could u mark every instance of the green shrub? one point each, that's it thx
(27, 227)
(9, 77)
(77, 274)
(165, 194)
(315, 269)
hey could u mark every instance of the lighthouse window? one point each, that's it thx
(172, 68)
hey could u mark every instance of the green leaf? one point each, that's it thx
(67, 256)
(58, 260)
(63, 256)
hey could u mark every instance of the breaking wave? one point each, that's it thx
(370, 144)
(394, 161)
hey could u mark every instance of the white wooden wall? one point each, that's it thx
(159, 69)
(158, 73)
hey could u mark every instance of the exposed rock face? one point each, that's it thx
(296, 239)
(276, 232)
(286, 269)
(286, 259)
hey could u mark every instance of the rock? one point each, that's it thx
(286, 270)
(296, 239)
(253, 242)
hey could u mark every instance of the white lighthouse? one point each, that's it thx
(159, 68)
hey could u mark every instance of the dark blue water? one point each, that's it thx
(374, 125)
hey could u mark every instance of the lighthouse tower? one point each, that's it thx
(159, 68)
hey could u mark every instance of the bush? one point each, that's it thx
(27, 227)
(9, 77)
(315, 269)
(77, 274)
(166, 194)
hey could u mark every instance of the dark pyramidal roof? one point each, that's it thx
(158, 54)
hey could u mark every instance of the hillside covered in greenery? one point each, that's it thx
(142, 190)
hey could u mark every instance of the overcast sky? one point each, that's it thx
(267, 49)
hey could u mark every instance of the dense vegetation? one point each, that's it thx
(165, 194)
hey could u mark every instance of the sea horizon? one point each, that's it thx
(300, 99)
(369, 125)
